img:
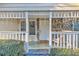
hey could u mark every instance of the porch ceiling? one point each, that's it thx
(38, 6)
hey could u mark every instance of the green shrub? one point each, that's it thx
(64, 52)
(11, 48)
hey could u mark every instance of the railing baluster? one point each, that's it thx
(16, 36)
(57, 40)
(76, 41)
(12, 36)
(1, 36)
(4, 35)
(73, 41)
(22, 36)
(60, 40)
(19, 36)
(9, 35)
(70, 41)
(63, 40)
(54, 40)
(67, 40)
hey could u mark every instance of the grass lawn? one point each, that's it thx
(11, 48)
(64, 52)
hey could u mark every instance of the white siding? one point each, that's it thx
(9, 24)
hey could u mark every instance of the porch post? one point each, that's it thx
(50, 35)
(27, 33)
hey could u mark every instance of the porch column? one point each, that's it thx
(27, 33)
(50, 34)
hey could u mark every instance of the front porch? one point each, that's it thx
(25, 27)
(41, 30)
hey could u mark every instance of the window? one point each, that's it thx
(31, 27)
(23, 26)
(76, 25)
(60, 24)
(57, 24)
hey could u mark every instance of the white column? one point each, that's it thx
(27, 33)
(50, 35)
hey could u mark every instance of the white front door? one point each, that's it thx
(43, 29)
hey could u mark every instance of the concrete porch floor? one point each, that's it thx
(41, 44)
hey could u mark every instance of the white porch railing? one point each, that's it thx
(12, 35)
(12, 14)
(65, 39)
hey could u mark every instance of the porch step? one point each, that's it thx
(38, 52)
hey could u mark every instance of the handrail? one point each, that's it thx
(67, 32)
(13, 32)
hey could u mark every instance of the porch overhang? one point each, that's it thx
(38, 7)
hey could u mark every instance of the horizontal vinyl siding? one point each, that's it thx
(9, 25)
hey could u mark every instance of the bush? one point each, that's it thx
(11, 48)
(64, 52)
